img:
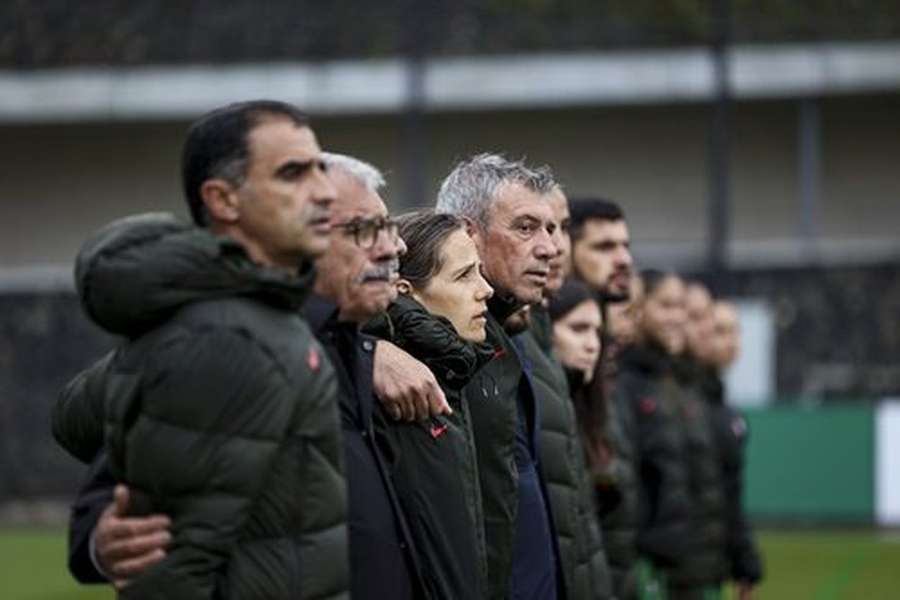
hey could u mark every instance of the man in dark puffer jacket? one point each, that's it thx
(569, 482)
(220, 409)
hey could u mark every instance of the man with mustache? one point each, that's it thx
(354, 282)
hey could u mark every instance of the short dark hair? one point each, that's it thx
(424, 233)
(572, 293)
(652, 279)
(216, 146)
(582, 210)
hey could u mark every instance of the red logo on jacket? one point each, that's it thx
(312, 359)
(647, 405)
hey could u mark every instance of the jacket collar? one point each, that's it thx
(319, 311)
(168, 264)
(435, 342)
(501, 305)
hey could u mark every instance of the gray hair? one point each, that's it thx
(471, 188)
(361, 172)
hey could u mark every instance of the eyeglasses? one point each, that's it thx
(365, 231)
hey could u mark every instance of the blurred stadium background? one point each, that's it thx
(752, 142)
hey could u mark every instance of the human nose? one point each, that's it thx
(388, 244)
(592, 344)
(323, 192)
(624, 256)
(401, 246)
(485, 291)
(557, 237)
(544, 247)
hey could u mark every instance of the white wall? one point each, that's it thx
(61, 182)
(887, 462)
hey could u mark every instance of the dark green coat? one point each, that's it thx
(433, 462)
(647, 396)
(491, 397)
(730, 432)
(703, 564)
(219, 410)
(569, 484)
(620, 525)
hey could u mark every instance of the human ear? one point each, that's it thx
(220, 200)
(404, 287)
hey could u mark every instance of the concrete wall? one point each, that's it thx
(61, 182)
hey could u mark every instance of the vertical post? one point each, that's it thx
(415, 145)
(809, 168)
(719, 208)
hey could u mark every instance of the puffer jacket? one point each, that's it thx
(433, 462)
(646, 393)
(704, 562)
(219, 410)
(569, 484)
(743, 562)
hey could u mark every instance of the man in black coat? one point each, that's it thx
(354, 283)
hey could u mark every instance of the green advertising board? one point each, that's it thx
(811, 464)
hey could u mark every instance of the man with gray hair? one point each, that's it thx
(512, 223)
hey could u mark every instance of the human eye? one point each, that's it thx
(293, 170)
(466, 273)
(525, 227)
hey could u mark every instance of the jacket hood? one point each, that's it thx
(135, 272)
(434, 341)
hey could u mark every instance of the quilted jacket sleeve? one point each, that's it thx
(216, 418)
(78, 413)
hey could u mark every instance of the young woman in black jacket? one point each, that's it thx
(647, 396)
(439, 318)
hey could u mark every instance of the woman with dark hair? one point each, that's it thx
(577, 319)
(439, 318)
(647, 395)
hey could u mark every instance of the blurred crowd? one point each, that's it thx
(315, 399)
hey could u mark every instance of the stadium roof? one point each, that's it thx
(448, 84)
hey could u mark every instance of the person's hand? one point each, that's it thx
(745, 590)
(126, 546)
(407, 388)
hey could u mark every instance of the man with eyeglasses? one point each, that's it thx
(355, 281)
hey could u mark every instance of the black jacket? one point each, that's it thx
(703, 564)
(220, 410)
(569, 486)
(730, 432)
(504, 415)
(646, 394)
(433, 462)
(384, 561)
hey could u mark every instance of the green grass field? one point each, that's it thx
(800, 565)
